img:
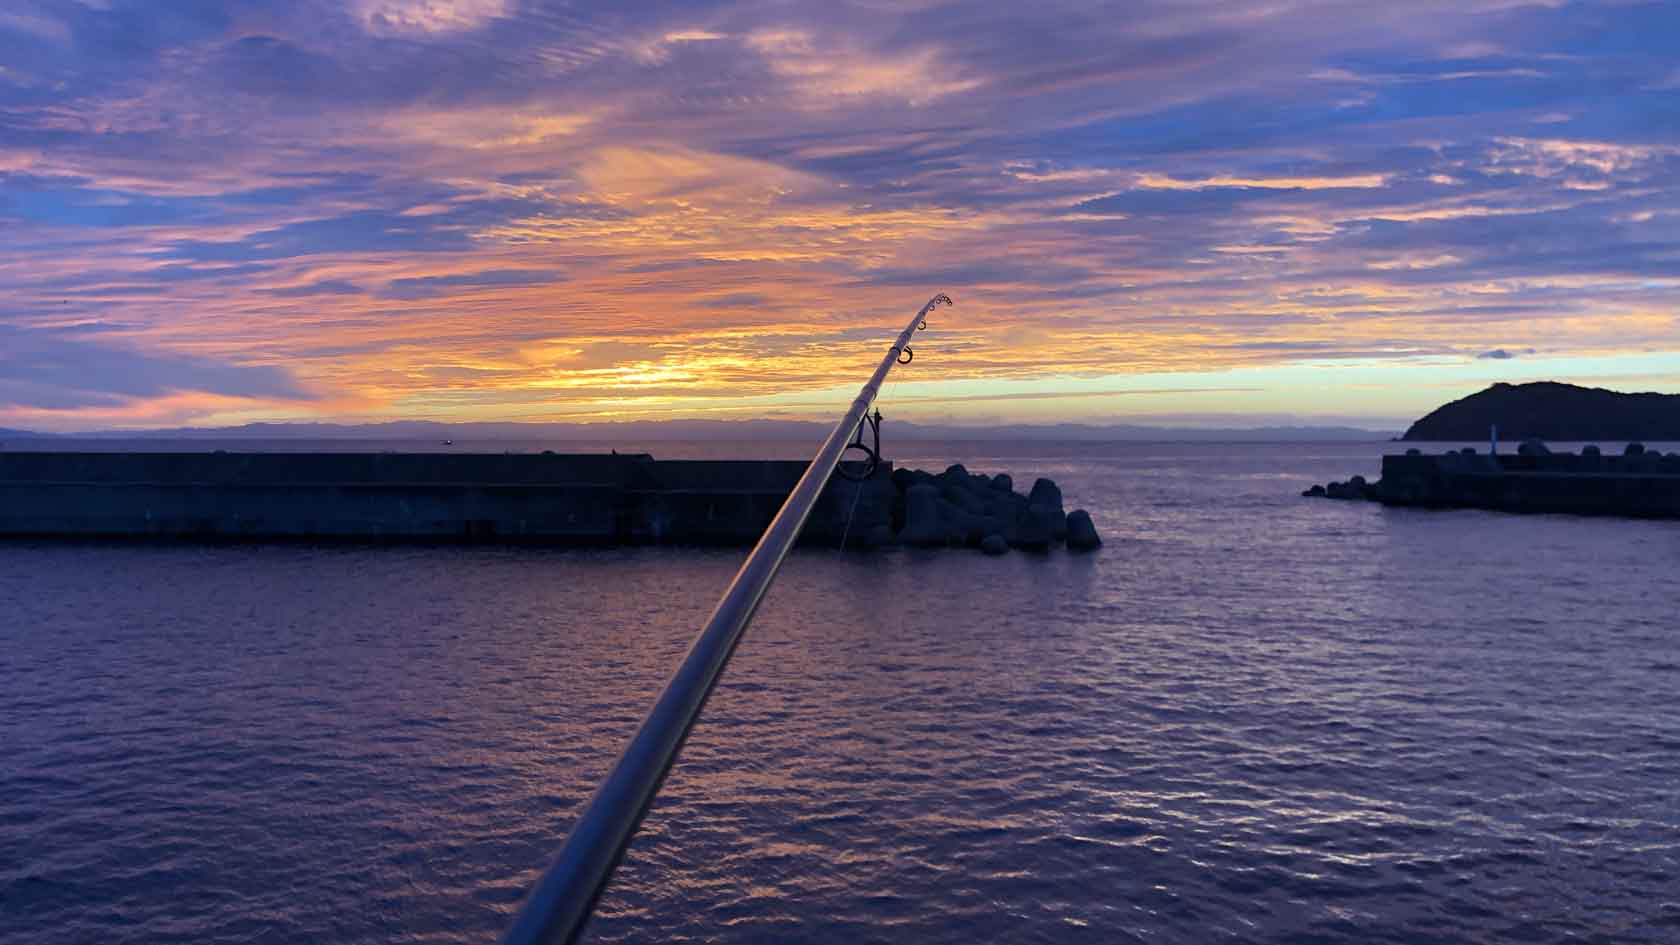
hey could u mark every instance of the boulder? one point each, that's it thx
(994, 544)
(998, 505)
(963, 527)
(957, 507)
(1045, 492)
(1036, 529)
(1082, 532)
(924, 521)
(962, 497)
(1009, 506)
(1590, 450)
(1533, 448)
(1356, 488)
(878, 536)
(1634, 449)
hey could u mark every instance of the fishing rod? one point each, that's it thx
(560, 904)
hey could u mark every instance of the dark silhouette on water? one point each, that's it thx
(1548, 410)
(1640, 483)
(537, 498)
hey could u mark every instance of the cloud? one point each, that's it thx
(1501, 354)
(424, 287)
(1157, 186)
(427, 17)
(67, 202)
(1350, 182)
(41, 27)
(481, 129)
(365, 231)
(819, 71)
(659, 49)
(319, 287)
(737, 300)
(65, 371)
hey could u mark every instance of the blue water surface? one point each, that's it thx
(1250, 717)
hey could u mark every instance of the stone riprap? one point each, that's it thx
(546, 497)
(960, 508)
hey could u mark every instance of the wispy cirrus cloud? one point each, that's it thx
(67, 369)
(422, 287)
(481, 207)
(408, 17)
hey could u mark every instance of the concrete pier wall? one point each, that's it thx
(1645, 485)
(567, 499)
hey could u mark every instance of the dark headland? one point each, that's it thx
(1547, 410)
(1639, 482)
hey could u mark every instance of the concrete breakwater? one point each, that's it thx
(546, 497)
(1639, 483)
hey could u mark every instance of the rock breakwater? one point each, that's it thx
(1638, 483)
(957, 508)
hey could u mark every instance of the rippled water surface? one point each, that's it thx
(1250, 718)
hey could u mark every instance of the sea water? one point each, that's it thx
(1250, 717)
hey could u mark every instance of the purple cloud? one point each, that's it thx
(1209, 184)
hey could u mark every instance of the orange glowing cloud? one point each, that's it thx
(492, 210)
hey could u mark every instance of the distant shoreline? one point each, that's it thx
(683, 430)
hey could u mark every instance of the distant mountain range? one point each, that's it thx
(1547, 410)
(1543, 410)
(657, 430)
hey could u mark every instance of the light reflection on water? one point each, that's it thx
(1250, 717)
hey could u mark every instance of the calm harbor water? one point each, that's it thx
(1250, 718)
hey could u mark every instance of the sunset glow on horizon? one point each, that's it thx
(1229, 213)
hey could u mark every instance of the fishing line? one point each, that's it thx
(857, 493)
(857, 487)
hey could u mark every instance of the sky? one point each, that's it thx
(1191, 212)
